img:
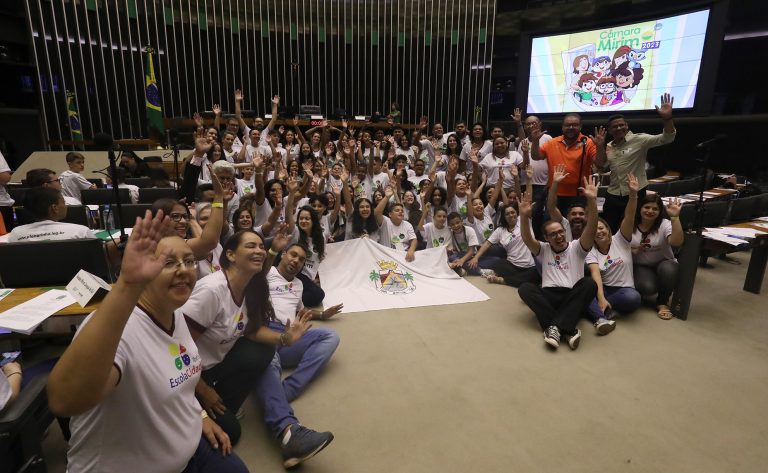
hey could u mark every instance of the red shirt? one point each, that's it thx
(556, 152)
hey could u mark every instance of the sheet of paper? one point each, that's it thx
(735, 231)
(762, 219)
(724, 238)
(25, 317)
(4, 293)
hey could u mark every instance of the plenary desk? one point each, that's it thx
(21, 295)
(665, 178)
(689, 264)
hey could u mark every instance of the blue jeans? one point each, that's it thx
(209, 459)
(308, 356)
(622, 299)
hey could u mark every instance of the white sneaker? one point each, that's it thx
(604, 326)
(487, 272)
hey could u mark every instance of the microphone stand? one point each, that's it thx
(690, 253)
(116, 191)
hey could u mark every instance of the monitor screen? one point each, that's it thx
(623, 67)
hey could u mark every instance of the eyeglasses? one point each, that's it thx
(175, 265)
(226, 179)
(557, 233)
(176, 217)
(58, 179)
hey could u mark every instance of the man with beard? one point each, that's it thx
(565, 292)
(573, 150)
(576, 212)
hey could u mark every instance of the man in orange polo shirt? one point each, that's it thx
(575, 151)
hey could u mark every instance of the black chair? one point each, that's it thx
(687, 216)
(761, 209)
(140, 182)
(131, 211)
(51, 263)
(99, 183)
(17, 194)
(149, 196)
(104, 196)
(743, 209)
(715, 212)
(687, 186)
(661, 188)
(22, 427)
(76, 214)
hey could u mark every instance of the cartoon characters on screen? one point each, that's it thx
(607, 81)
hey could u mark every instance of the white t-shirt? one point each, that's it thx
(396, 236)
(417, 180)
(210, 264)
(5, 391)
(485, 148)
(151, 419)
(655, 247)
(459, 204)
(245, 187)
(312, 263)
(491, 164)
(133, 192)
(213, 306)
(5, 198)
(380, 180)
(483, 227)
(540, 167)
(435, 237)
(72, 183)
(562, 269)
(461, 242)
(285, 295)
(45, 230)
(616, 266)
(517, 253)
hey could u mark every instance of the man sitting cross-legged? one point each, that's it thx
(565, 292)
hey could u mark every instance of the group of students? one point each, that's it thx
(215, 297)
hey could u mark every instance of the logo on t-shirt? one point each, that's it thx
(608, 262)
(240, 325)
(438, 241)
(560, 263)
(487, 232)
(180, 355)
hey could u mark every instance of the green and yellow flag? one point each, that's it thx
(152, 95)
(73, 117)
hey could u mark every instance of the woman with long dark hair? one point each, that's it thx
(655, 235)
(309, 232)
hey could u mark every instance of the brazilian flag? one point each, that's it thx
(75, 128)
(152, 95)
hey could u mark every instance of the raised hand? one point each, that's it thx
(514, 171)
(291, 184)
(140, 264)
(217, 109)
(665, 111)
(295, 121)
(299, 326)
(344, 175)
(517, 115)
(423, 122)
(536, 134)
(198, 119)
(673, 207)
(529, 172)
(525, 147)
(258, 162)
(202, 146)
(453, 167)
(632, 183)
(238, 95)
(525, 205)
(473, 156)
(590, 187)
(324, 123)
(559, 173)
(281, 130)
(344, 123)
(389, 191)
(276, 100)
(281, 239)
(331, 311)
(599, 137)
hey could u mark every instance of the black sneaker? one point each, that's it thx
(574, 339)
(552, 336)
(300, 444)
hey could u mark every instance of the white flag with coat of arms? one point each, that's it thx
(365, 275)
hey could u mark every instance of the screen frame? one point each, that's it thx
(713, 43)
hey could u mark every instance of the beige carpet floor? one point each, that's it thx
(472, 387)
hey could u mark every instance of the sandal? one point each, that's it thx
(664, 312)
(495, 280)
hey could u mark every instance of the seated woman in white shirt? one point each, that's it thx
(46, 206)
(610, 264)
(656, 269)
(133, 364)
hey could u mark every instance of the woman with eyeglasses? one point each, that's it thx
(180, 219)
(128, 379)
(655, 235)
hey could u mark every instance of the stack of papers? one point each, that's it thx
(722, 237)
(24, 318)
